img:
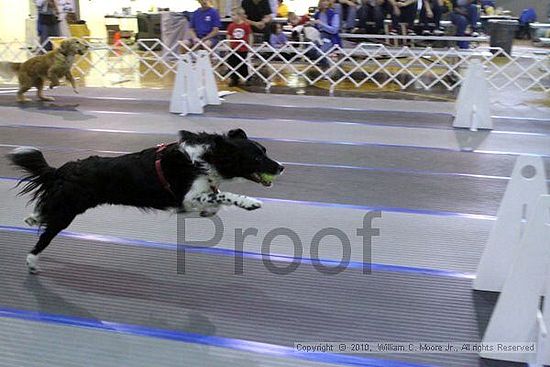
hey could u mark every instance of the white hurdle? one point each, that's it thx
(516, 262)
(195, 85)
(473, 102)
(517, 317)
(528, 182)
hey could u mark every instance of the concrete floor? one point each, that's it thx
(110, 293)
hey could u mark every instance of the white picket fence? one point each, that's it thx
(304, 63)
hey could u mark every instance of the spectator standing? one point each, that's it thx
(48, 21)
(239, 30)
(204, 27)
(282, 9)
(326, 20)
(259, 16)
(464, 14)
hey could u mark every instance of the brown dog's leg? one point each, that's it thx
(54, 80)
(40, 92)
(70, 78)
(21, 95)
(24, 85)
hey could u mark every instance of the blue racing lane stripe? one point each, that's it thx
(105, 239)
(209, 340)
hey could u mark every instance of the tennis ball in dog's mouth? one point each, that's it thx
(266, 177)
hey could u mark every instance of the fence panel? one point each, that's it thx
(304, 62)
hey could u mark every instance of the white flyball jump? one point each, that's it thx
(195, 85)
(527, 184)
(517, 317)
(473, 103)
(516, 262)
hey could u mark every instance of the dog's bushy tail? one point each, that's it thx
(9, 69)
(39, 173)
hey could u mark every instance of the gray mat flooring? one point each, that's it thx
(62, 346)
(437, 120)
(141, 286)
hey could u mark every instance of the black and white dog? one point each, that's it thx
(184, 176)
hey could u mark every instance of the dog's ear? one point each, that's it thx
(65, 47)
(186, 135)
(237, 134)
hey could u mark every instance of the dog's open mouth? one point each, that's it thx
(265, 179)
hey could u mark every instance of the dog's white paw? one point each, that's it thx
(248, 203)
(32, 263)
(75, 90)
(32, 220)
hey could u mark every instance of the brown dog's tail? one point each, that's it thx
(9, 69)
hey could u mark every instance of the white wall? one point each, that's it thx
(13, 15)
(93, 11)
(300, 6)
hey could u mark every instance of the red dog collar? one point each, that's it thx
(160, 174)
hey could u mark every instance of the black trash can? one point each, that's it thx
(502, 34)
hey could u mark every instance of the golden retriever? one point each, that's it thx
(51, 66)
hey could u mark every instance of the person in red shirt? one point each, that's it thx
(238, 30)
(295, 20)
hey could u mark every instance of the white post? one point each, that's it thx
(473, 102)
(185, 98)
(208, 80)
(528, 182)
(514, 318)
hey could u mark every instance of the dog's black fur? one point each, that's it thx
(63, 193)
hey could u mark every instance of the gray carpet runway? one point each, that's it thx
(412, 296)
(141, 286)
(434, 120)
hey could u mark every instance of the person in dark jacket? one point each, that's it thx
(373, 11)
(48, 21)
(430, 16)
(465, 13)
(259, 16)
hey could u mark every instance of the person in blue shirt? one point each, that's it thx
(204, 27)
(326, 20)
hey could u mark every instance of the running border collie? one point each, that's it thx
(184, 176)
